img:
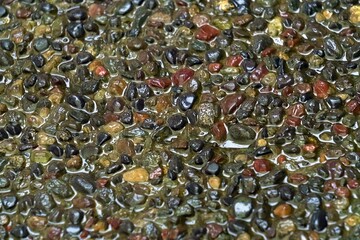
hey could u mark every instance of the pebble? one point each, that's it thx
(136, 175)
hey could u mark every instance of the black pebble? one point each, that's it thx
(77, 14)
(194, 188)
(20, 231)
(102, 138)
(177, 122)
(84, 57)
(76, 30)
(318, 220)
(13, 129)
(56, 150)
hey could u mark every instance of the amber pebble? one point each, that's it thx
(125, 146)
(136, 175)
(283, 210)
(96, 10)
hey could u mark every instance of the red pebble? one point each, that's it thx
(182, 76)
(353, 106)
(206, 33)
(293, 121)
(161, 82)
(353, 183)
(101, 71)
(234, 61)
(231, 102)
(321, 88)
(259, 72)
(219, 131)
(262, 165)
(215, 67)
(340, 129)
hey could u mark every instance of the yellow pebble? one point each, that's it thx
(319, 17)
(214, 182)
(327, 14)
(275, 27)
(352, 220)
(261, 142)
(355, 14)
(244, 236)
(136, 175)
(225, 5)
(283, 55)
(113, 128)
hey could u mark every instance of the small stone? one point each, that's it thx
(124, 7)
(214, 182)
(355, 14)
(242, 133)
(194, 188)
(261, 42)
(19, 231)
(283, 210)
(242, 207)
(113, 128)
(177, 122)
(262, 165)
(285, 227)
(275, 26)
(136, 175)
(96, 10)
(36, 223)
(206, 33)
(40, 156)
(318, 220)
(182, 76)
(219, 131)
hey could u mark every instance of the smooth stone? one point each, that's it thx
(7, 44)
(79, 116)
(9, 201)
(76, 101)
(318, 220)
(41, 44)
(124, 8)
(77, 14)
(60, 188)
(84, 57)
(83, 183)
(194, 188)
(136, 175)
(242, 133)
(242, 206)
(186, 101)
(76, 30)
(177, 122)
(20, 231)
(261, 42)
